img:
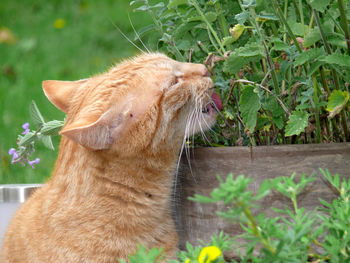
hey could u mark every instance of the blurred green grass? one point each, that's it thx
(88, 44)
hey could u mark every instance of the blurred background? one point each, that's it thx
(63, 40)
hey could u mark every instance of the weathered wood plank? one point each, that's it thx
(198, 221)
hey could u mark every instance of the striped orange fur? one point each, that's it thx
(111, 185)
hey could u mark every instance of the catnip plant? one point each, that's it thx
(27, 139)
(280, 66)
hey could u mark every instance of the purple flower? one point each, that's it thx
(31, 163)
(14, 154)
(26, 128)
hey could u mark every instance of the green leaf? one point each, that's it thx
(297, 123)
(297, 29)
(51, 127)
(319, 5)
(250, 50)
(183, 29)
(279, 45)
(249, 105)
(35, 115)
(210, 16)
(336, 102)
(266, 17)
(337, 59)
(241, 57)
(27, 139)
(46, 140)
(154, 255)
(234, 63)
(278, 121)
(144, 30)
(308, 56)
(314, 34)
(314, 66)
(311, 38)
(242, 17)
(175, 3)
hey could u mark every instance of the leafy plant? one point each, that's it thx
(28, 138)
(294, 235)
(280, 66)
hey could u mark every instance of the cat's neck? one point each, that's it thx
(78, 170)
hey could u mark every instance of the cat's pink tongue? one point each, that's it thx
(217, 101)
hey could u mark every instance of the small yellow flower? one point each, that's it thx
(59, 23)
(209, 254)
(187, 260)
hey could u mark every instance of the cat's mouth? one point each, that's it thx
(214, 105)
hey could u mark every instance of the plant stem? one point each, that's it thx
(195, 4)
(317, 113)
(302, 16)
(222, 21)
(272, 68)
(335, 130)
(334, 74)
(285, 23)
(268, 57)
(256, 232)
(266, 89)
(344, 23)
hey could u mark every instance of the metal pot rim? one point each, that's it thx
(16, 193)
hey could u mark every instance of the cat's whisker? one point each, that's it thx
(138, 36)
(127, 38)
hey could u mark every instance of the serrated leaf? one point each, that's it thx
(46, 140)
(235, 62)
(183, 29)
(314, 66)
(314, 34)
(250, 50)
(51, 127)
(278, 121)
(242, 17)
(249, 105)
(27, 139)
(337, 59)
(266, 17)
(297, 123)
(311, 38)
(319, 5)
(279, 45)
(308, 56)
(336, 102)
(297, 29)
(35, 115)
(175, 3)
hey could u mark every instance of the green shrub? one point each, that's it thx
(294, 235)
(280, 66)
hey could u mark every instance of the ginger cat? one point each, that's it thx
(111, 186)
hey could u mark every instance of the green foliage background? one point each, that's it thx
(88, 44)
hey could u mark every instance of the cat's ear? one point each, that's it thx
(102, 133)
(60, 92)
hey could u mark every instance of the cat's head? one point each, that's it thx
(149, 101)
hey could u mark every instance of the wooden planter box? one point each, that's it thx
(199, 221)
